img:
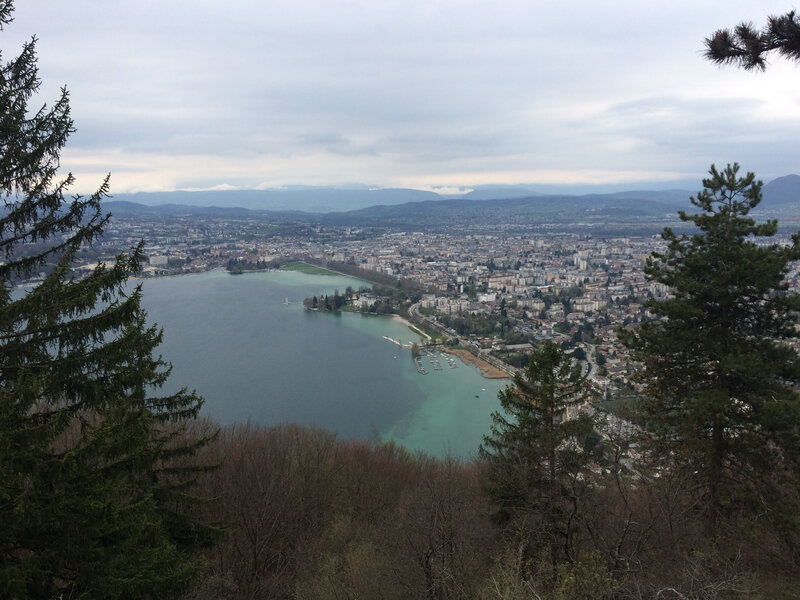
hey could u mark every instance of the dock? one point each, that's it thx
(418, 363)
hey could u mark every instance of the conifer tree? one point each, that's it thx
(747, 47)
(92, 493)
(535, 454)
(719, 373)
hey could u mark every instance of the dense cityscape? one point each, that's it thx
(500, 293)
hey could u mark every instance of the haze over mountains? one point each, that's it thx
(398, 206)
(311, 200)
(323, 200)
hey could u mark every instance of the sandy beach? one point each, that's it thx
(487, 370)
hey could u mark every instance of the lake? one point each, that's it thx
(247, 345)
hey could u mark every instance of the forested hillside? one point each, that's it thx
(312, 517)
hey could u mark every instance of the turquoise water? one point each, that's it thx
(255, 357)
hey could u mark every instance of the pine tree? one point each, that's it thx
(93, 475)
(719, 373)
(534, 453)
(747, 47)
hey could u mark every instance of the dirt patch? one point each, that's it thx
(487, 370)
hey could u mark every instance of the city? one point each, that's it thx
(501, 293)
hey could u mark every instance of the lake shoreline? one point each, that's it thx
(410, 325)
(487, 370)
(255, 358)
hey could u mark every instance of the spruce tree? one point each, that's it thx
(535, 451)
(93, 475)
(718, 367)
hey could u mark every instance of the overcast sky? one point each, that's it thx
(432, 94)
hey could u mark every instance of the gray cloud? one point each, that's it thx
(326, 91)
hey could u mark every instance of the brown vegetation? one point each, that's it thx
(310, 516)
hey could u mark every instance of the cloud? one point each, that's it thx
(188, 94)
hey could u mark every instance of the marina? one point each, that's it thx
(434, 361)
(420, 369)
(434, 357)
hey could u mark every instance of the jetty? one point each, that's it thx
(395, 342)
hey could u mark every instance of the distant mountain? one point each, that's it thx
(782, 191)
(495, 192)
(669, 197)
(312, 200)
(124, 208)
(415, 209)
(598, 210)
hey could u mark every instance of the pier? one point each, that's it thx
(395, 342)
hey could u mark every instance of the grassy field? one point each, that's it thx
(622, 406)
(306, 268)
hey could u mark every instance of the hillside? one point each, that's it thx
(618, 212)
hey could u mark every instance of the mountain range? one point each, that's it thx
(411, 209)
(322, 200)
